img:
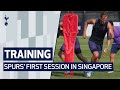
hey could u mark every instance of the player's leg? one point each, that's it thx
(61, 53)
(114, 50)
(81, 57)
(95, 57)
(99, 47)
(112, 57)
(94, 50)
(78, 51)
(62, 56)
(97, 54)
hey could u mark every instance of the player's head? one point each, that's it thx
(61, 23)
(104, 17)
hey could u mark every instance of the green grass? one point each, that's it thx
(86, 52)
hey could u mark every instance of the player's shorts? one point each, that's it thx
(77, 47)
(115, 48)
(95, 47)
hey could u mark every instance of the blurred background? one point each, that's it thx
(84, 15)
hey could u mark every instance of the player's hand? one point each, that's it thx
(84, 36)
(106, 50)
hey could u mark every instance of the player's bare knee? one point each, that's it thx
(96, 55)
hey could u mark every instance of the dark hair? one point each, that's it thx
(111, 22)
(104, 13)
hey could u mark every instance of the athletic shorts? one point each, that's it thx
(77, 47)
(95, 47)
(115, 48)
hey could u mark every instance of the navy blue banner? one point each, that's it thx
(27, 54)
(22, 66)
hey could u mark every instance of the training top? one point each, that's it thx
(116, 35)
(98, 32)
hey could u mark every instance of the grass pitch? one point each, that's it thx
(87, 53)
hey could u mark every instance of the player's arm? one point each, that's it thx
(90, 21)
(106, 49)
(108, 45)
(110, 35)
(111, 31)
(60, 29)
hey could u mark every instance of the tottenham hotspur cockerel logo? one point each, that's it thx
(6, 20)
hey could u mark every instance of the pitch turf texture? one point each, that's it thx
(86, 52)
